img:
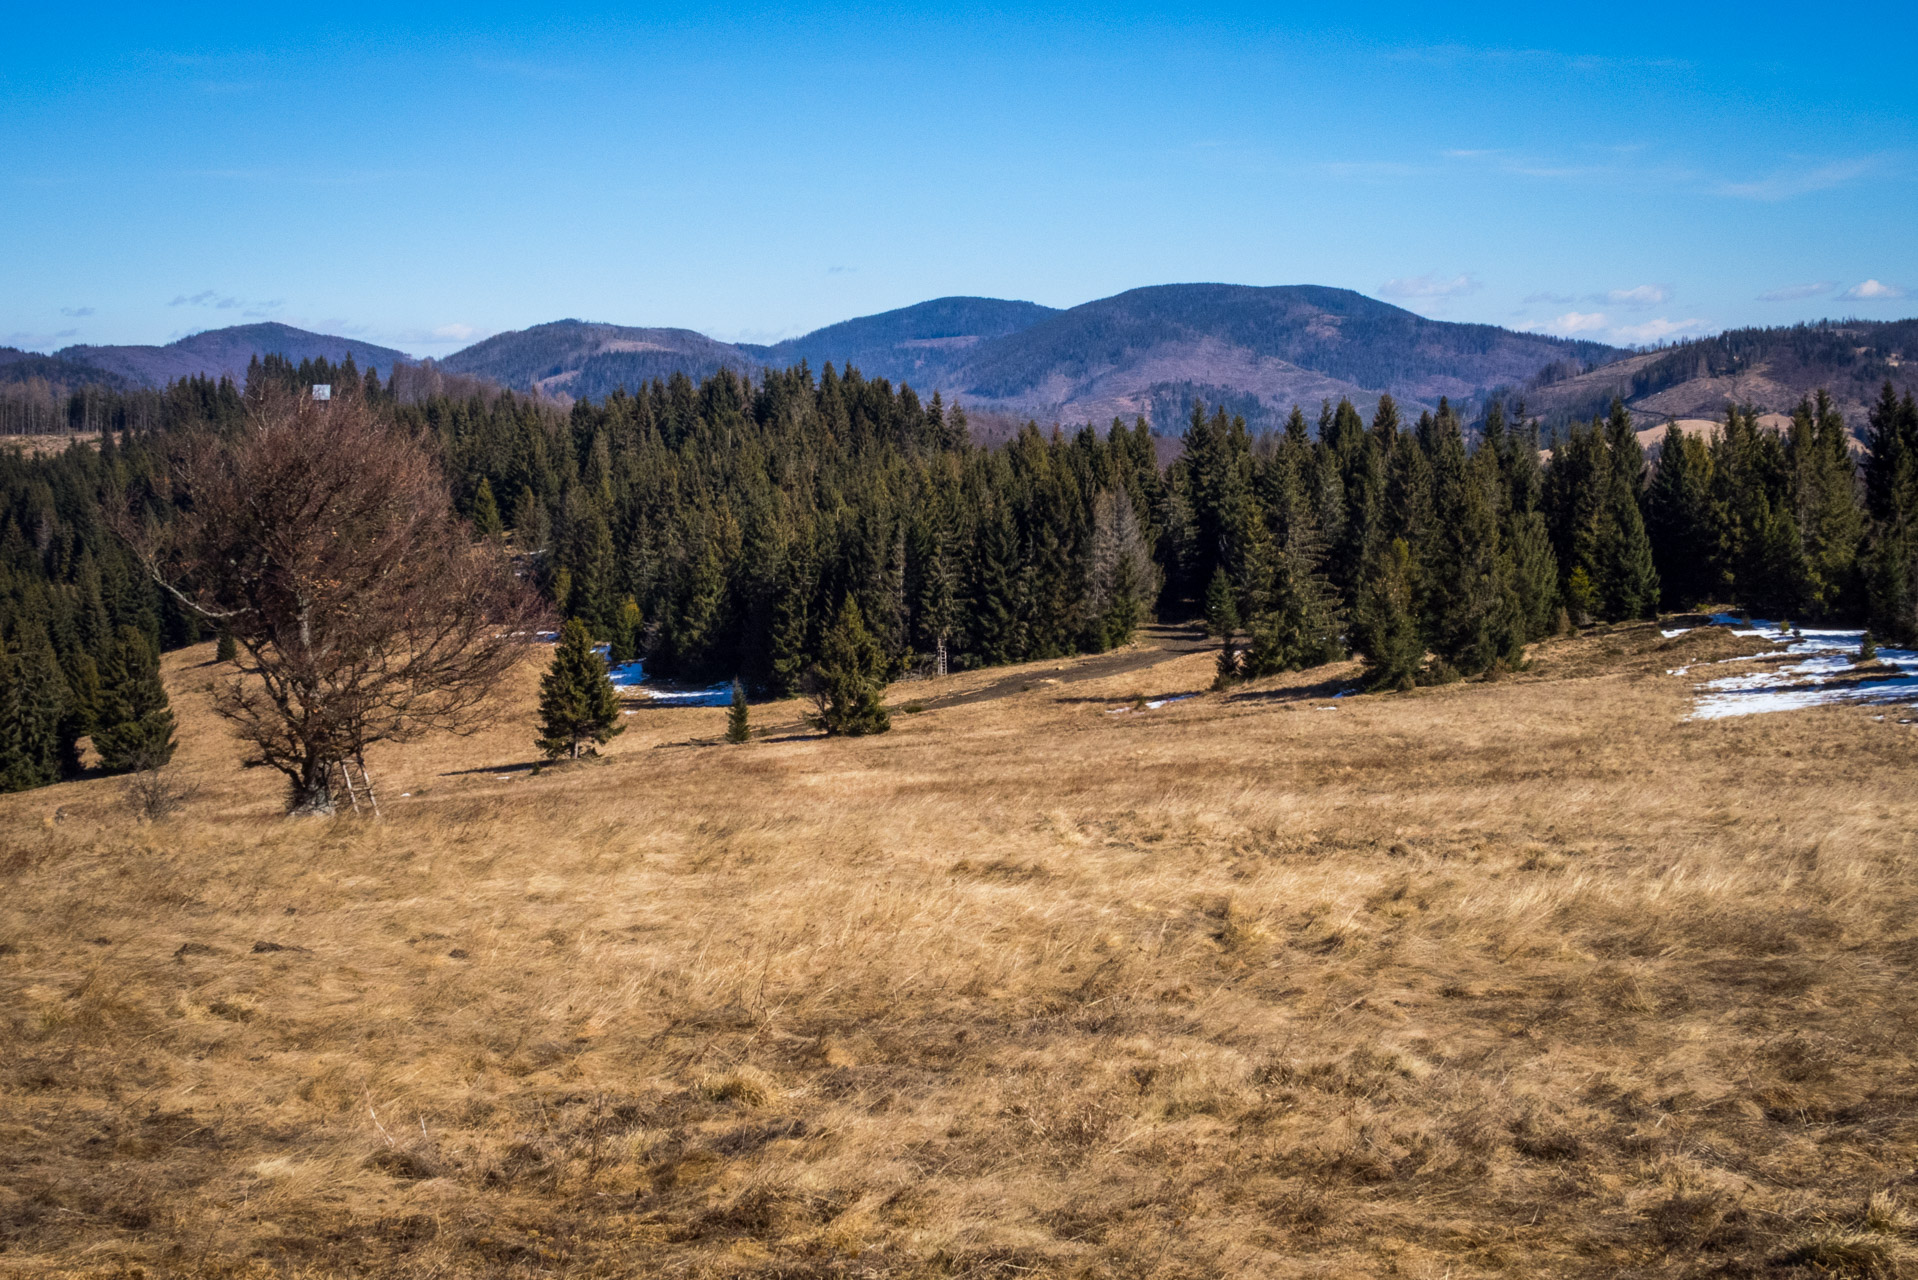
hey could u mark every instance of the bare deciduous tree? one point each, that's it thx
(324, 540)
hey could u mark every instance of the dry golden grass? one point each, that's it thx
(1530, 977)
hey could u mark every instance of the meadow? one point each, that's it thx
(1533, 976)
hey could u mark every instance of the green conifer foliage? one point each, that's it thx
(486, 521)
(1581, 597)
(1386, 626)
(629, 633)
(227, 649)
(578, 707)
(134, 727)
(1678, 519)
(1221, 605)
(32, 701)
(846, 680)
(738, 727)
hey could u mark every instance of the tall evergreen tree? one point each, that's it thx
(1385, 626)
(578, 707)
(486, 521)
(847, 679)
(1678, 519)
(134, 726)
(32, 701)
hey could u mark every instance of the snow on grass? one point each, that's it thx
(630, 677)
(1825, 657)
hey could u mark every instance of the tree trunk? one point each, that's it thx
(312, 793)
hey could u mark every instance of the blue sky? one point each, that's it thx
(421, 178)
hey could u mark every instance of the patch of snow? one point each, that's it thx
(1154, 706)
(1675, 631)
(1824, 654)
(630, 677)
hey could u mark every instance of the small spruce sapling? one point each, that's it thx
(227, 649)
(737, 727)
(1867, 648)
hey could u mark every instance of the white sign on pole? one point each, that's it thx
(322, 391)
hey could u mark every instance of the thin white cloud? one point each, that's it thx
(1428, 287)
(206, 298)
(1578, 322)
(1655, 330)
(1638, 296)
(1798, 292)
(76, 313)
(1558, 299)
(1784, 184)
(1872, 291)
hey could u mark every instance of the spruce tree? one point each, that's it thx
(737, 727)
(486, 521)
(32, 701)
(1678, 519)
(227, 649)
(1221, 605)
(134, 727)
(1386, 626)
(846, 680)
(578, 707)
(629, 630)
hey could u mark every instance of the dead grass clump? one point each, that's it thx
(744, 1087)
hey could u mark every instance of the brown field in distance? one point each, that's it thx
(1531, 977)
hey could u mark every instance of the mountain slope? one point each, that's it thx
(1149, 351)
(19, 366)
(1269, 347)
(1768, 369)
(589, 361)
(919, 344)
(227, 352)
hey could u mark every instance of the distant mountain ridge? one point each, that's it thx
(226, 352)
(1764, 368)
(1149, 352)
(590, 361)
(1152, 351)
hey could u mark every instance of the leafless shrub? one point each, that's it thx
(155, 792)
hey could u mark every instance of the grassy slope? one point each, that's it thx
(1530, 977)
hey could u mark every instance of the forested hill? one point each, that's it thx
(1146, 352)
(589, 361)
(1259, 350)
(221, 353)
(920, 345)
(1765, 369)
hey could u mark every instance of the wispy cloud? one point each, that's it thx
(1577, 322)
(1556, 299)
(1872, 291)
(1799, 180)
(1431, 286)
(76, 312)
(841, 271)
(1655, 330)
(1797, 292)
(1636, 297)
(207, 298)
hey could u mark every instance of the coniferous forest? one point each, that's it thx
(728, 529)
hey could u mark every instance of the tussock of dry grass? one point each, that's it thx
(1528, 977)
